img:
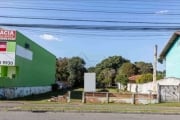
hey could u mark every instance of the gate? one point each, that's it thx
(169, 93)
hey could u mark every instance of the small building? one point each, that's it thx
(132, 79)
(171, 56)
(25, 67)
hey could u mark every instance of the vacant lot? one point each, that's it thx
(41, 103)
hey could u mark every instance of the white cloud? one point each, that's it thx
(162, 12)
(49, 37)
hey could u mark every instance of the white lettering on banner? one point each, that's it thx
(7, 35)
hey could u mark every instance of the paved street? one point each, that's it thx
(82, 116)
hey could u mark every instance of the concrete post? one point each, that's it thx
(83, 97)
(133, 98)
(107, 97)
(69, 97)
(158, 93)
(179, 91)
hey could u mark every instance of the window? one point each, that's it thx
(8, 71)
(26, 45)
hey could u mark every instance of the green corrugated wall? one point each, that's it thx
(38, 72)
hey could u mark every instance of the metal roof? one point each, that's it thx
(169, 45)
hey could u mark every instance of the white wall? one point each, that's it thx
(147, 87)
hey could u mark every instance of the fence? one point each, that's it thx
(105, 97)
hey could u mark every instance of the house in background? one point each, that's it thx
(25, 67)
(171, 56)
(132, 79)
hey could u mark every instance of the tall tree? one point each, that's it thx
(144, 68)
(123, 79)
(105, 77)
(128, 69)
(62, 73)
(111, 63)
(76, 69)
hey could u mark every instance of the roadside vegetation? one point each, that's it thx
(108, 72)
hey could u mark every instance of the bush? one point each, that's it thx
(145, 78)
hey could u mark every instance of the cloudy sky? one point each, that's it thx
(95, 29)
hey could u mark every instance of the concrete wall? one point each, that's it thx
(105, 97)
(147, 87)
(15, 92)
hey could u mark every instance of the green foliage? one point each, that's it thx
(110, 64)
(123, 79)
(160, 75)
(91, 69)
(113, 62)
(128, 69)
(144, 68)
(76, 70)
(105, 77)
(70, 70)
(62, 73)
(144, 78)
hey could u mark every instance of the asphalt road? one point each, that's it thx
(82, 116)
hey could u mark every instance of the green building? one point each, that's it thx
(25, 67)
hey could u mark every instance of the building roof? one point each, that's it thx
(134, 77)
(169, 45)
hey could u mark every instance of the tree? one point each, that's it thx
(76, 70)
(123, 79)
(160, 75)
(144, 78)
(128, 69)
(105, 77)
(112, 64)
(91, 69)
(62, 73)
(144, 68)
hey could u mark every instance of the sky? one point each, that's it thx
(95, 29)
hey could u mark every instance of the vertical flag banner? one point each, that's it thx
(7, 47)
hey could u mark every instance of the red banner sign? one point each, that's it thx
(2, 46)
(7, 35)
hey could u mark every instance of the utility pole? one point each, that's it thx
(155, 69)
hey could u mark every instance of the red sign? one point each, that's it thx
(7, 35)
(2, 46)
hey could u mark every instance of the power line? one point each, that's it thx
(95, 34)
(94, 27)
(86, 20)
(83, 10)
